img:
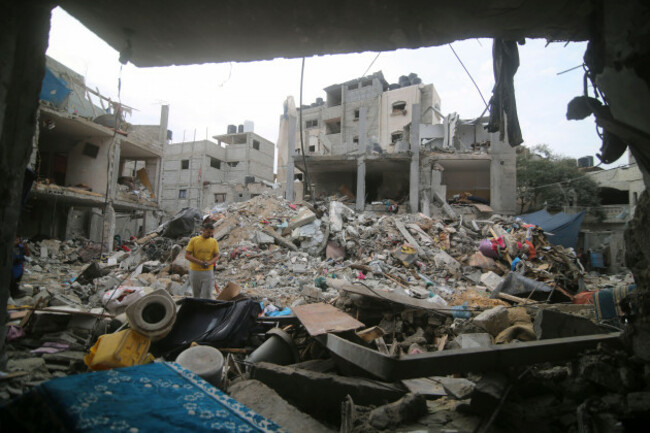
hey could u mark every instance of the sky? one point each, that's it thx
(205, 98)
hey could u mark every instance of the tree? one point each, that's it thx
(546, 179)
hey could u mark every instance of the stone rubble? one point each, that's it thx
(281, 254)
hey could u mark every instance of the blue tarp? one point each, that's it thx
(53, 89)
(565, 227)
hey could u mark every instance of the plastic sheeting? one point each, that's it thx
(53, 89)
(564, 227)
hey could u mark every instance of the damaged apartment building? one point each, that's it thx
(80, 172)
(235, 167)
(361, 140)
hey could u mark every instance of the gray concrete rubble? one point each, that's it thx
(404, 287)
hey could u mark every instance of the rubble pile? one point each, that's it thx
(378, 310)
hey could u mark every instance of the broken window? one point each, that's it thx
(356, 114)
(185, 164)
(355, 141)
(219, 197)
(333, 126)
(215, 163)
(399, 107)
(353, 86)
(312, 149)
(233, 163)
(182, 193)
(256, 145)
(311, 123)
(90, 150)
(395, 137)
(297, 176)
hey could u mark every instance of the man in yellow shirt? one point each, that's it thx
(202, 252)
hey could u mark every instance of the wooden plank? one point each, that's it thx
(515, 299)
(280, 241)
(323, 318)
(387, 296)
(483, 208)
(142, 176)
(409, 238)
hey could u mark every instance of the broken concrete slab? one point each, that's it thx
(554, 324)
(425, 386)
(305, 216)
(408, 408)
(457, 387)
(266, 402)
(462, 360)
(325, 404)
(493, 320)
(491, 280)
(488, 393)
(468, 341)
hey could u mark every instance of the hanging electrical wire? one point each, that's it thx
(371, 63)
(469, 75)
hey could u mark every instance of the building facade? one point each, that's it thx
(203, 173)
(81, 151)
(361, 139)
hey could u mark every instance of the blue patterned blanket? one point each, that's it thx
(158, 397)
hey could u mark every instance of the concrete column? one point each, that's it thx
(152, 167)
(108, 227)
(114, 168)
(290, 164)
(164, 121)
(414, 183)
(361, 160)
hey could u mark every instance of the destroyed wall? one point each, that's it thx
(88, 170)
(393, 119)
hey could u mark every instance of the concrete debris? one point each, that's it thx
(411, 286)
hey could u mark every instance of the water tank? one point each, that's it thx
(416, 80)
(249, 126)
(240, 129)
(232, 129)
(412, 76)
(393, 86)
(404, 81)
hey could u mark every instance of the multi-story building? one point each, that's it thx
(238, 166)
(361, 139)
(81, 185)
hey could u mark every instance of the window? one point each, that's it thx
(396, 136)
(355, 141)
(399, 107)
(233, 163)
(219, 198)
(353, 86)
(356, 114)
(297, 176)
(333, 126)
(185, 164)
(311, 123)
(366, 83)
(256, 145)
(312, 149)
(91, 150)
(215, 163)
(182, 193)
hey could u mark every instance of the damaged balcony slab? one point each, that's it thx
(463, 360)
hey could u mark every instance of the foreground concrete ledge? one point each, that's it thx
(463, 360)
